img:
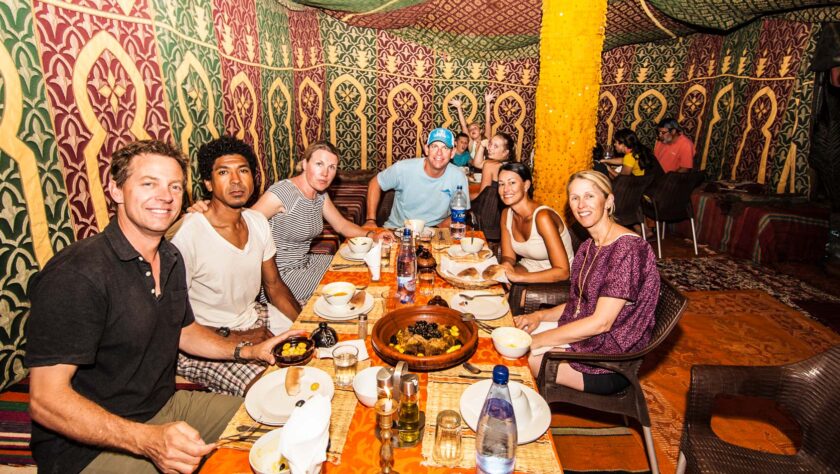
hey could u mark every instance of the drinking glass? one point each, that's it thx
(345, 359)
(447, 451)
(386, 254)
(390, 298)
(426, 280)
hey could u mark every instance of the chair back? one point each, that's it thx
(669, 308)
(487, 210)
(810, 389)
(671, 195)
(628, 190)
(386, 202)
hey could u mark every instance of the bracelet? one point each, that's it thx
(236, 352)
(369, 233)
(370, 219)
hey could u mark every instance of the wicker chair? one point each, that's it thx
(809, 390)
(630, 401)
(669, 200)
(628, 192)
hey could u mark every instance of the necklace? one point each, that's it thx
(583, 276)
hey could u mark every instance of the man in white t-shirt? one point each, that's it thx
(424, 186)
(228, 252)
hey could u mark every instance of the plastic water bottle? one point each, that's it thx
(495, 439)
(406, 269)
(458, 214)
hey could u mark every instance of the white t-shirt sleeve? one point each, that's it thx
(184, 242)
(261, 226)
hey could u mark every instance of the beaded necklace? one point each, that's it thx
(582, 281)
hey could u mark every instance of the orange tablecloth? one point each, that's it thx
(361, 451)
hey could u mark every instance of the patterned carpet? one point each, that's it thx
(743, 327)
(721, 272)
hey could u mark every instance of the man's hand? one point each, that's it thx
(264, 351)
(175, 447)
(369, 224)
(384, 235)
(455, 103)
(200, 206)
(489, 96)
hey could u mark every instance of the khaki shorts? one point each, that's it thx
(208, 413)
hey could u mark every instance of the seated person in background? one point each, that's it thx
(637, 158)
(476, 135)
(531, 231)
(228, 252)
(613, 296)
(499, 150)
(462, 156)
(296, 209)
(424, 186)
(109, 314)
(673, 150)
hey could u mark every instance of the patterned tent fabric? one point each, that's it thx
(719, 15)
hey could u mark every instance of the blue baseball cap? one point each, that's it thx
(442, 135)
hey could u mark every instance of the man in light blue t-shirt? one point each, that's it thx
(424, 186)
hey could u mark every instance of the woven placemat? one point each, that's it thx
(444, 391)
(343, 406)
(504, 321)
(308, 320)
(356, 266)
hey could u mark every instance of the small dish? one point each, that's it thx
(360, 245)
(364, 385)
(265, 455)
(471, 245)
(348, 254)
(297, 358)
(339, 293)
(511, 343)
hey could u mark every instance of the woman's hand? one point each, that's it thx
(200, 206)
(455, 103)
(528, 322)
(488, 97)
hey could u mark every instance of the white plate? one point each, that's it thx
(268, 402)
(341, 313)
(485, 308)
(348, 254)
(456, 251)
(472, 400)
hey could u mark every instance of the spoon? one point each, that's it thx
(469, 317)
(483, 295)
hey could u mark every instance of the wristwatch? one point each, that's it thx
(223, 331)
(236, 352)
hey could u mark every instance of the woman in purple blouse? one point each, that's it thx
(614, 290)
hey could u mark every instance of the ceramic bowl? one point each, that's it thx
(364, 384)
(360, 244)
(339, 293)
(511, 343)
(416, 225)
(286, 361)
(401, 318)
(472, 244)
(265, 454)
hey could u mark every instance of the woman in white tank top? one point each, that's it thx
(531, 231)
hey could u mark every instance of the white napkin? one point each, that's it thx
(373, 259)
(306, 435)
(327, 352)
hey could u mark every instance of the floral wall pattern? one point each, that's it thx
(80, 78)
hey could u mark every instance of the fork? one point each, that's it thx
(472, 297)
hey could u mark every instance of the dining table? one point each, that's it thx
(354, 446)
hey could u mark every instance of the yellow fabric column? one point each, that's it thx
(571, 40)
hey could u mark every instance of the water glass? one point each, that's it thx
(386, 254)
(447, 451)
(345, 359)
(390, 298)
(426, 280)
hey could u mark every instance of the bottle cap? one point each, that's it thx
(500, 375)
(410, 384)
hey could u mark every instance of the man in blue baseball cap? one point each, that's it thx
(424, 186)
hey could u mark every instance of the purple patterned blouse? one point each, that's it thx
(624, 269)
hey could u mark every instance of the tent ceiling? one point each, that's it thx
(479, 27)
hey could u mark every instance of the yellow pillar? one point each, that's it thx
(571, 40)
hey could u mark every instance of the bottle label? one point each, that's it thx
(406, 286)
(458, 215)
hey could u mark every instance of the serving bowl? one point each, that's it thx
(403, 317)
(360, 244)
(339, 293)
(299, 359)
(364, 385)
(472, 244)
(511, 343)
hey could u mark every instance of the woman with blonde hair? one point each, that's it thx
(613, 294)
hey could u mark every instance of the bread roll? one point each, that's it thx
(293, 375)
(493, 272)
(468, 273)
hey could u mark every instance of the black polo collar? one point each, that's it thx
(123, 248)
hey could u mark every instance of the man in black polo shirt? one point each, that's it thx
(109, 314)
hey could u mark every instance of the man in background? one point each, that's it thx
(673, 150)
